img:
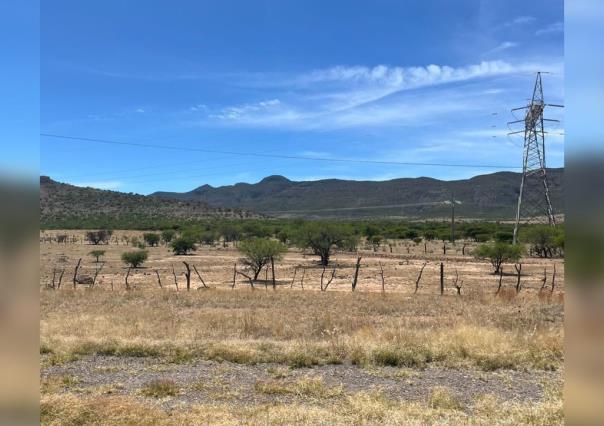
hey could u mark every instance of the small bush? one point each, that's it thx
(167, 235)
(98, 237)
(135, 258)
(151, 238)
(183, 245)
(499, 253)
(259, 251)
(394, 356)
(97, 254)
(442, 398)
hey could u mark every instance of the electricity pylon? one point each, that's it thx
(534, 202)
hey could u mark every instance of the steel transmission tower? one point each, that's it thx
(534, 202)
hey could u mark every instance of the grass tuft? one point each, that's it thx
(160, 388)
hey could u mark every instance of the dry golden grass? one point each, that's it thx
(358, 409)
(291, 329)
(302, 329)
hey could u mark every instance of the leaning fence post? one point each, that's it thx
(356, 274)
(188, 275)
(75, 273)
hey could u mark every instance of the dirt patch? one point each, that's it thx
(205, 382)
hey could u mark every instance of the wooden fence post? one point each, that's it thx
(234, 274)
(75, 273)
(382, 274)
(175, 280)
(356, 273)
(127, 275)
(158, 278)
(273, 271)
(442, 278)
(188, 275)
(519, 271)
(419, 277)
(203, 283)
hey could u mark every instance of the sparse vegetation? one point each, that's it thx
(151, 238)
(499, 253)
(135, 258)
(160, 388)
(292, 345)
(98, 237)
(167, 235)
(258, 253)
(183, 245)
(97, 254)
(323, 238)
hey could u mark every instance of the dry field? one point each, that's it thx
(297, 355)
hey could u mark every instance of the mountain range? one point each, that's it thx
(62, 204)
(489, 196)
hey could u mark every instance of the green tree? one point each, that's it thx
(376, 241)
(98, 237)
(499, 253)
(97, 254)
(322, 238)
(183, 245)
(259, 251)
(208, 237)
(504, 236)
(542, 239)
(429, 234)
(370, 231)
(135, 258)
(151, 238)
(229, 232)
(349, 243)
(167, 235)
(411, 234)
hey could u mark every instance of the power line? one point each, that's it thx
(284, 157)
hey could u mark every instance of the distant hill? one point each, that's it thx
(64, 205)
(491, 196)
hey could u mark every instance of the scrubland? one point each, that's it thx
(294, 355)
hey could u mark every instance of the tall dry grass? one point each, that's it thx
(304, 328)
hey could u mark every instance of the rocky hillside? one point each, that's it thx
(485, 196)
(69, 205)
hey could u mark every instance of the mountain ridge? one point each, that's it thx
(63, 203)
(491, 195)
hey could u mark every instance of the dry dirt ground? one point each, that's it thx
(296, 355)
(215, 264)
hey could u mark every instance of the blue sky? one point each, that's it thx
(429, 82)
(19, 88)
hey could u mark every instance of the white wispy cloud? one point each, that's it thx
(515, 22)
(241, 111)
(520, 20)
(556, 27)
(341, 97)
(501, 47)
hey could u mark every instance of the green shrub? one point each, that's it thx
(151, 238)
(499, 253)
(259, 251)
(97, 254)
(135, 258)
(183, 245)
